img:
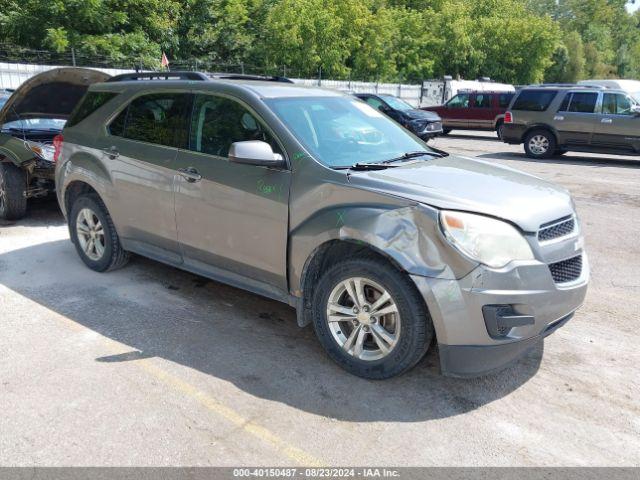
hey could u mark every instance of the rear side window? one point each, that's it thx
(159, 118)
(504, 99)
(583, 102)
(534, 100)
(483, 101)
(89, 104)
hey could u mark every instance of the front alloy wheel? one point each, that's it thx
(370, 317)
(363, 318)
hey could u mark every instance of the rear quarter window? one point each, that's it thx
(89, 104)
(534, 100)
(504, 99)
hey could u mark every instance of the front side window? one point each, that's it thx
(583, 102)
(459, 101)
(483, 101)
(616, 104)
(340, 131)
(217, 122)
(159, 118)
(534, 100)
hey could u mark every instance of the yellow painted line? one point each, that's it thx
(265, 435)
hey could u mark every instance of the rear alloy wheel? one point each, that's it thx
(370, 318)
(13, 182)
(540, 144)
(94, 235)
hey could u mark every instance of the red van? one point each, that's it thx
(471, 110)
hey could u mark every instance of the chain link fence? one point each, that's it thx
(17, 64)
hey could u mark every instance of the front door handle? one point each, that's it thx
(191, 174)
(558, 117)
(111, 152)
(606, 120)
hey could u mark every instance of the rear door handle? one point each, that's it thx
(111, 152)
(191, 174)
(606, 120)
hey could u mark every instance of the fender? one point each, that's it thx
(13, 148)
(408, 235)
(81, 166)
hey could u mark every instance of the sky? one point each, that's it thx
(632, 7)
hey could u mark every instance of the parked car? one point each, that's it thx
(553, 120)
(30, 120)
(425, 125)
(313, 198)
(439, 91)
(474, 111)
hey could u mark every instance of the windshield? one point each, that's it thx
(396, 103)
(340, 131)
(35, 124)
(3, 100)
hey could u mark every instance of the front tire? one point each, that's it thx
(370, 318)
(94, 235)
(13, 183)
(540, 144)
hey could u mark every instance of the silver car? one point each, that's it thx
(314, 198)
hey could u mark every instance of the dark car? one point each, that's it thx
(425, 125)
(554, 119)
(474, 111)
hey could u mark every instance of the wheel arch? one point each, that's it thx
(327, 254)
(545, 127)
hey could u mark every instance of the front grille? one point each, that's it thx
(566, 270)
(557, 229)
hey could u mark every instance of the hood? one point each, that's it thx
(461, 183)
(50, 94)
(420, 115)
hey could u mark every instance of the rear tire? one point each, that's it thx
(13, 183)
(500, 130)
(540, 144)
(94, 235)
(393, 341)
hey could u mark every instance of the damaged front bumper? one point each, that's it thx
(470, 339)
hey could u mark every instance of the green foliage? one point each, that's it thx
(517, 41)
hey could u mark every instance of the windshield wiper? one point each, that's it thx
(371, 166)
(409, 155)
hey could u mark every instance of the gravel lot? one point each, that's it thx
(153, 366)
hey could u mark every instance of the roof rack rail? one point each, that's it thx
(125, 77)
(564, 85)
(246, 76)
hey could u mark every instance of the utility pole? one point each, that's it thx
(73, 56)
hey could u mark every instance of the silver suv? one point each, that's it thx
(314, 198)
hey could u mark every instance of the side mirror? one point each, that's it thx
(635, 109)
(255, 152)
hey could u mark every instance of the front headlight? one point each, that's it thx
(484, 239)
(43, 150)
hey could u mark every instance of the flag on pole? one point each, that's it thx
(165, 61)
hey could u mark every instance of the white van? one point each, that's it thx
(632, 87)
